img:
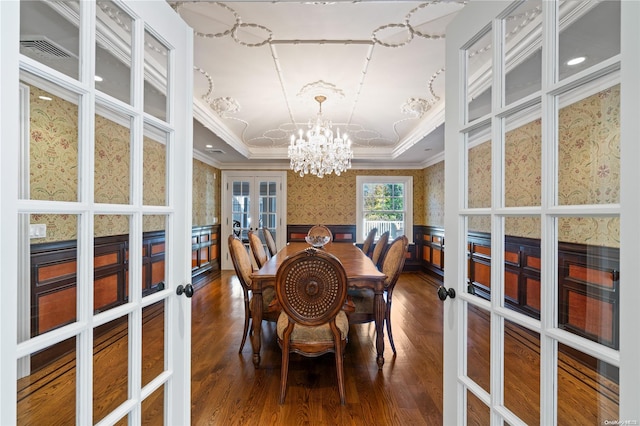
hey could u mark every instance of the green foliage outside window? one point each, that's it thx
(383, 201)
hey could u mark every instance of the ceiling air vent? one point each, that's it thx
(214, 150)
(44, 48)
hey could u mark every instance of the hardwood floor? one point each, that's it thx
(228, 390)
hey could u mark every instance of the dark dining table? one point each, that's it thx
(361, 273)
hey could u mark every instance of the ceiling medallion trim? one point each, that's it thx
(234, 34)
(422, 6)
(374, 35)
(225, 106)
(416, 107)
(435, 75)
(320, 87)
(178, 5)
(207, 96)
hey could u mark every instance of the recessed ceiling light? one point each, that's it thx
(208, 146)
(45, 98)
(576, 61)
(97, 78)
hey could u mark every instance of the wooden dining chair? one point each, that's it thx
(391, 266)
(271, 243)
(320, 231)
(257, 248)
(242, 265)
(380, 248)
(368, 242)
(311, 288)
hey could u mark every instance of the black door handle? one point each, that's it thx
(443, 293)
(187, 290)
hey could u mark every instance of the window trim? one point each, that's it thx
(406, 180)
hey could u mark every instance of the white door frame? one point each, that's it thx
(152, 16)
(225, 207)
(470, 21)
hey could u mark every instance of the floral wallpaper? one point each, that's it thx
(479, 179)
(434, 194)
(523, 154)
(588, 170)
(589, 173)
(112, 153)
(154, 173)
(53, 148)
(53, 171)
(589, 157)
(206, 194)
(332, 199)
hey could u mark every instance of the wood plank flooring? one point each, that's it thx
(228, 390)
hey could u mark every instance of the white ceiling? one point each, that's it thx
(258, 66)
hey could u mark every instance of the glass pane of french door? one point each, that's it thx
(255, 201)
(537, 268)
(268, 192)
(103, 222)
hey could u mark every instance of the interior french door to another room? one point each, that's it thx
(253, 201)
(96, 223)
(542, 213)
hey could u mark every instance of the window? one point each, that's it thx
(386, 203)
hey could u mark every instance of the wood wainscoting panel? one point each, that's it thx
(341, 233)
(56, 271)
(511, 285)
(157, 248)
(589, 275)
(105, 292)
(157, 272)
(533, 293)
(55, 309)
(194, 259)
(590, 315)
(106, 259)
(53, 277)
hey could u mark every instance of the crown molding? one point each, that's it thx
(201, 112)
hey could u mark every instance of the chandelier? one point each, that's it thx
(320, 154)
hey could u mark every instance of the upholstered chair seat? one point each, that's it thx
(319, 333)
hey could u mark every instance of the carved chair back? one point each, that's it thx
(271, 243)
(257, 248)
(311, 288)
(368, 242)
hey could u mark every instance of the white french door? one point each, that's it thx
(95, 220)
(542, 149)
(250, 202)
